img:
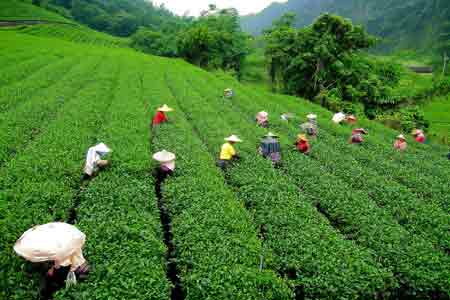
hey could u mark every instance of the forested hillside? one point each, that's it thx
(402, 24)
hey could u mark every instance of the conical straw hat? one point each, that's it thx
(302, 137)
(164, 156)
(311, 116)
(233, 138)
(165, 108)
(263, 114)
(49, 242)
(270, 134)
(401, 137)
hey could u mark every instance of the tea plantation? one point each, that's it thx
(345, 222)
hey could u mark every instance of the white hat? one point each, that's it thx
(228, 90)
(233, 138)
(311, 116)
(271, 134)
(165, 108)
(102, 148)
(338, 117)
(164, 156)
(263, 114)
(52, 241)
(401, 137)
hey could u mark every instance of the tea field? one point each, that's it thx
(345, 222)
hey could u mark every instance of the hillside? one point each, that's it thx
(403, 24)
(345, 222)
(19, 10)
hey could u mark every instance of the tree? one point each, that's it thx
(324, 62)
(153, 42)
(215, 41)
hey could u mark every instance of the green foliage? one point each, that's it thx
(153, 42)
(215, 40)
(324, 62)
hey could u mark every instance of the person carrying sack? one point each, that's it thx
(270, 148)
(310, 127)
(166, 166)
(227, 151)
(160, 116)
(357, 136)
(262, 119)
(302, 144)
(94, 162)
(58, 245)
(400, 144)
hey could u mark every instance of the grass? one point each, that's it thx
(437, 111)
(19, 10)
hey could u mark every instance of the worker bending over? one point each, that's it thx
(357, 136)
(310, 127)
(419, 136)
(400, 143)
(160, 116)
(227, 152)
(270, 148)
(262, 119)
(302, 144)
(94, 162)
(166, 166)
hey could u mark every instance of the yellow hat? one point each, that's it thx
(302, 137)
(165, 108)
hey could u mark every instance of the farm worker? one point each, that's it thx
(166, 166)
(160, 116)
(357, 136)
(228, 93)
(419, 136)
(58, 245)
(94, 162)
(400, 144)
(286, 116)
(270, 148)
(351, 119)
(227, 152)
(310, 127)
(262, 119)
(338, 117)
(302, 144)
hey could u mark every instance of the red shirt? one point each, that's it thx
(303, 146)
(159, 118)
(420, 138)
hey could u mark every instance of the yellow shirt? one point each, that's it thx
(227, 152)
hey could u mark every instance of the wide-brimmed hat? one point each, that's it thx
(263, 114)
(228, 90)
(351, 117)
(401, 137)
(233, 138)
(361, 130)
(311, 116)
(417, 132)
(270, 134)
(164, 156)
(165, 108)
(302, 137)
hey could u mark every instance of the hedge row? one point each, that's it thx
(421, 269)
(39, 185)
(24, 123)
(118, 209)
(307, 250)
(217, 249)
(417, 215)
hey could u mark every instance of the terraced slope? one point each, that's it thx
(345, 222)
(20, 10)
